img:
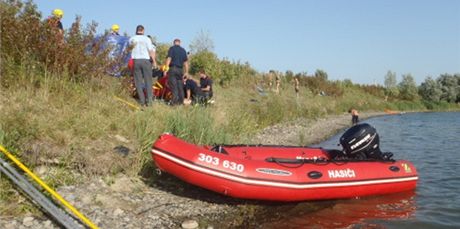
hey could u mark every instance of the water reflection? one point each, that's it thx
(356, 213)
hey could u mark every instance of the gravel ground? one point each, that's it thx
(307, 132)
(162, 201)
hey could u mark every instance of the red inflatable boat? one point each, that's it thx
(280, 173)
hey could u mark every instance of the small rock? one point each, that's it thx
(11, 225)
(189, 224)
(47, 224)
(118, 212)
(28, 221)
(121, 138)
(41, 170)
(122, 184)
(87, 199)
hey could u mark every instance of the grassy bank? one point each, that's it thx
(74, 128)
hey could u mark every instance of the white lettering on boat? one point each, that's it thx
(216, 162)
(276, 172)
(342, 173)
(360, 142)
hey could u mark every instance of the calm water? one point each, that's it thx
(432, 142)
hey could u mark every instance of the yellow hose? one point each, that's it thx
(47, 188)
(127, 103)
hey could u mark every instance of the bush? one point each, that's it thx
(374, 90)
(36, 45)
(221, 71)
(319, 84)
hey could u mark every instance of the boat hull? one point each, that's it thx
(240, 172)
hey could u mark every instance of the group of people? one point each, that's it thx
(201, 94)
(183, 87)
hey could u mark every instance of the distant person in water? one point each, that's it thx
(354, 116)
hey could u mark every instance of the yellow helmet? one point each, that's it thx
(115, 27)
(164, 68)
(58, 13)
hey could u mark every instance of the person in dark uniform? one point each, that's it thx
(205, 85)
(193, 93)
(178, 68)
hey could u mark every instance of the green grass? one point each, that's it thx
(73, 124)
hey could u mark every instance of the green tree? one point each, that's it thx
(202, 43)
(161, 52)
(408, 88)
(430, 90)
(450, 87)
(321, 74)
(391, 87)
(347, 83)
(205, 60)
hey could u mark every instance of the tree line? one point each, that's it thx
(444, 88)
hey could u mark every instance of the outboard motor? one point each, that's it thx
(361, 142)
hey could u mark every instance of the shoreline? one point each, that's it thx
(307, 131)
(166, 202)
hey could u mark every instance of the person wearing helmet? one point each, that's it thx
(55, 20)
(115, 29)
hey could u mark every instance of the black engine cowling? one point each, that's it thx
(361, 142)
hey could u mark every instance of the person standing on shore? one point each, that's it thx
(142, 52)
(354, 116)
(177, 61)
(296, 86)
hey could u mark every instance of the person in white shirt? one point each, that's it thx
(143, 51)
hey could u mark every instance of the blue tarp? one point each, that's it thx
(119, 45)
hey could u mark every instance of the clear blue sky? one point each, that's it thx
(349, 39)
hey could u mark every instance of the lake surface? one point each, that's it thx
(429, 140)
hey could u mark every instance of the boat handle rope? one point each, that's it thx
(48, 189)
(320, 161)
